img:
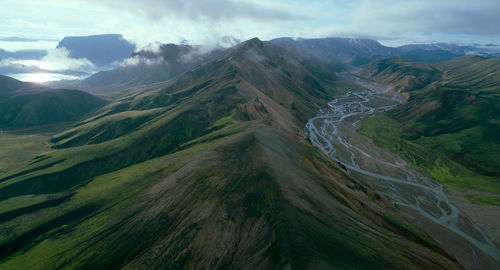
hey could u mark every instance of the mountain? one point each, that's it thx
(101, 50)
(357, 52)
(428, 56)
(25, 104)
(459, 50)
(23, 54)
(402, 75)
(10, 87)
(449, 125)
(211, 170)
(344, 50)
(338, 54)
(146, 67)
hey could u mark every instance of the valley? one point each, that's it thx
(258, 156)
(334, 130)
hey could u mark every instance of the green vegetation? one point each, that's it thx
(483, 200)
(18, 151)
(47, 107)
(384, 132)
(203, 172)
(402, 74)
(449, 126)
(461, 125)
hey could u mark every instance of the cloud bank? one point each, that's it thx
(56, 60)
(212, 10)
(206, 21)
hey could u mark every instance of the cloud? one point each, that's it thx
(154, 47)
(141, 60)
(13, 46)
(206, 21)
(58, 60)
(213, 10)
(420, 21)
(451, 16)
(7, 66)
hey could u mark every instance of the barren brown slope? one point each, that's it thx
(212, 172)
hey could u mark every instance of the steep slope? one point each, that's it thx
(455, 112)
(402, 75)
(212, 172)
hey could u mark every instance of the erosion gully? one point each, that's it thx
(333, 130)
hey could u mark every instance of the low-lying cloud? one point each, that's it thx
(56, 60)
(10, 66)
(13, 46)
(141, 60)
(59, 60)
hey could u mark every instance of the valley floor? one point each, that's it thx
(334, 130)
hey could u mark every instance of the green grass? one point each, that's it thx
(455, 113)
(384, 132)
(47, 107)
(168, 190)
(21, 202)
(107, 191)
(483, 200)
(17, 151)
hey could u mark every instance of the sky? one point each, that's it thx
(391, 22)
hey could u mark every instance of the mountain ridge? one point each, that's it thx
(257, 195)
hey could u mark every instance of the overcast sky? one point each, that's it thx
(392, 22)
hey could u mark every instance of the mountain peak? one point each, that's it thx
(251, 43)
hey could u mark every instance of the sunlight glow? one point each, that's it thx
(43, 77)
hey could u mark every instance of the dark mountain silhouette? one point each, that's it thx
(101, 50)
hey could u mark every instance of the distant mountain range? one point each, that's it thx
(358, 52)
(101, 50)
(337, 54)
(23, 54)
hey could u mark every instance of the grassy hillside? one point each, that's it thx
(449, 126)
(47, 107)
(210, 170)
(402, 75)
(10, 87)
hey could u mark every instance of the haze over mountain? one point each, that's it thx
(358, 52)
(153, 65)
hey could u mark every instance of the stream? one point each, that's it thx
(333, 130)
